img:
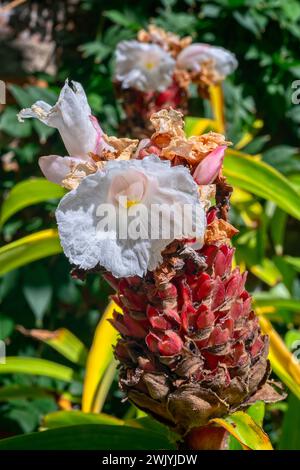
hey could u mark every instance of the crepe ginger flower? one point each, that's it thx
(194, 55)
(145, 67)
(79, 130)
(115, 218)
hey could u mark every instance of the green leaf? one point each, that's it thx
(262, 300)
(9, 124)
(278, 229)
(295, 262)
(17, 392)
(283, 158)
(127, 19)
(104, 387)
(63, 341)
(6, 326)
(26, 193)
(21, 96)
(28, 249)
(89, 437)
(257, 412)
(290, 437)
(267, 272)
(261, 179)
(37, 290)
(292, 340)
(75, 417)
(35, 366)
(245, 430)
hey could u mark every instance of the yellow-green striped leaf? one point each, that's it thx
(245, 172)
(29, 192)
(35, 366)
(27, 249)
(245, 430)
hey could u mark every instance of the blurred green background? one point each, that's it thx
(43, 43)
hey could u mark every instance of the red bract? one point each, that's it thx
(191, 347)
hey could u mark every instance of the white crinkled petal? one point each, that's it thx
(71, 116)
(192, 56)
(145, 67)
(77, 218)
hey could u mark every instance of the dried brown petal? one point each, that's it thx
(219, 231)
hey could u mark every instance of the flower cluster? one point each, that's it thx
(126, 183)
(155, 71)
(190, 347)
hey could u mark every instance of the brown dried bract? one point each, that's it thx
(123, 148)
(78, 172)
(194, 149)
(170, 137)
(167, 40)
(219, 231)
(167, 122)
(182, 77)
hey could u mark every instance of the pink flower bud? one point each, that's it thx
(208, 169)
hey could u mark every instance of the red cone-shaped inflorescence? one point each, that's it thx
(191, 347)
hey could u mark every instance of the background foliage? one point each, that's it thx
(261, 120)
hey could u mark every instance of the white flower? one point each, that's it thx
(194, 55)
(79, 130)
(146, 67)
(129, 191)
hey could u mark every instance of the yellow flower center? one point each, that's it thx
(130, 203)
(150, 65)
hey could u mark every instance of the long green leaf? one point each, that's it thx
(257, 413)
(261, 179)
(70, 418)
(35, 366)
(29, 192)
(245, 430)
(89, 437)
(62, 340)
(16, 392)
(283, 363)
(28, 249)
(276, 303)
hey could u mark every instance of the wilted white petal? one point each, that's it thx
(71, 115)
(145, 67)
(144, 182)
(56, 168)
(192, 56)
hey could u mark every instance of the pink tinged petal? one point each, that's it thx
(208, 169)
(130, 186)
(56, 168)
(100, 143)
(143, 143)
